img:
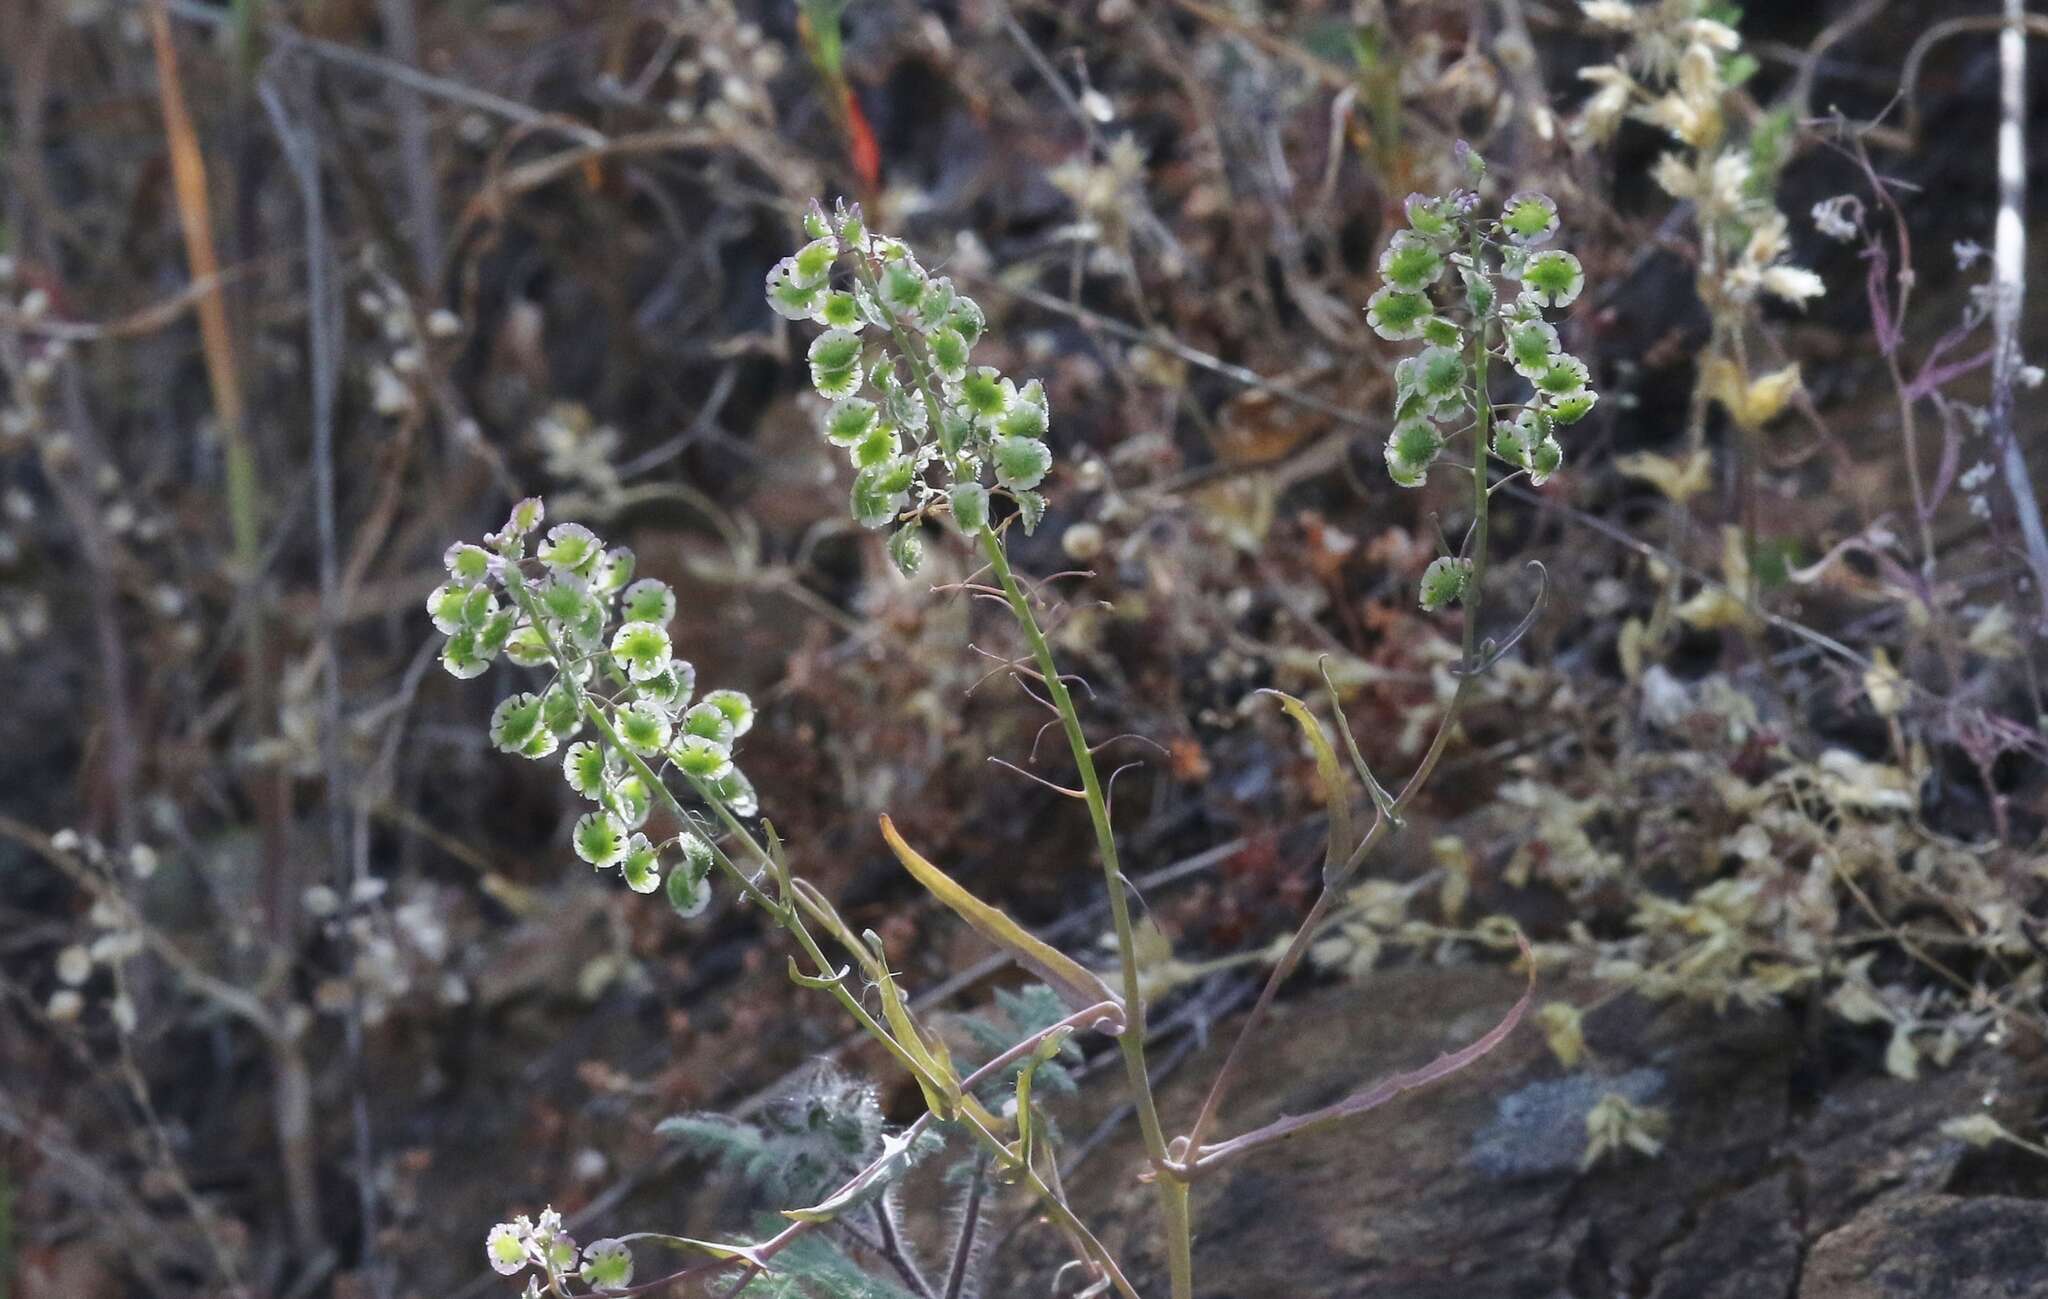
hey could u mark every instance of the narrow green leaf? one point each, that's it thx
(1334, 796)
(1077, 986)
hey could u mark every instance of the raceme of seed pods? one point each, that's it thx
(573, 608)
(1455, 317)
(926, 428)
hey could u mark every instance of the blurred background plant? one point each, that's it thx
(293, 294)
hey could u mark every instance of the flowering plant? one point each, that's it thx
(932, 435)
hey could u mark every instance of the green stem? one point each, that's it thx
(1389, 813)
(1173, 1197)
(1482, 428)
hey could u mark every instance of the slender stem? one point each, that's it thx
(1390, 816)
(1173, 1198)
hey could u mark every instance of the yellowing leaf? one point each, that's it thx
(1715, 608)
(1993, 635)
(1725, 605)
(1336, 800)
(1630, 647)
(1075, 984)
(1455, 861)
(1677, 480)
(1564, 1030)
(1751, 403)
(1901, 1057)
(1884, 685)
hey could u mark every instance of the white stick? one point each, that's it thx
(2009, 258)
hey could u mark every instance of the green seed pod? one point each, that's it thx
(813, 261)
(1512, 443)
(789, 294)
(987, 395)
(641, 866)
(701, 758)
(1030, 509)
(966, 320)
(1440, 377)
(462, 657)
(1411, 263)
(587, 767)
(1025, 420)
(956, 430)
(1480, 294)
(1439, 332)
(495, 631)
(525, 517)
(949, 353)
(1415, 441)
(1397, 315)
(599, 838)
(648, 600)
(1572, 409)
(641, 649)
(1529, 218)
(689, 881)
(737, 707)
(569, 601)
(672, 687)
(816, 225)
(467, 564)
(903, 405)
(629, 799)
(707, 721)
(1444, 582)
(737, 793)
(873, 503)
(1431, 217)
(970, 506)
(1021, 462)
(608, 1264)
(835, 383)
(1531, 346)
(879, 446)
(444, 606)
(560, 711)
(526, 646)
(1405, 472)
(833, 350)
(571, 548)
(906, 549)
(644, 727)
(1553, 278)
(850, 420)
(1563, 377)
(514, 722)
(838, 309)
(902, 287)
(477, 605)
(613, 571)
(936, 305)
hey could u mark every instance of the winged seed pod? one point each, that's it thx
(573, 608)
(927, 430)
(1493, 308)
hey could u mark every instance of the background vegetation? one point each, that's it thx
(301, 986)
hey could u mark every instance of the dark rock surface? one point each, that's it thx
(1975, 1247)
(1475, 1188)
